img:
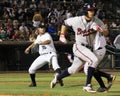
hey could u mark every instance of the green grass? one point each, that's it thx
(16, 84)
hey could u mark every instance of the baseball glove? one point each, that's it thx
(35, 49)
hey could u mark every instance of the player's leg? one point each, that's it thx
(98, 78)
(33, 81)
(38, 63)
(74, 68)
(57, 70)
(88, 56)
(102, 87)
(55, 65)
(100, 53)
(110, 78)
(98, 74)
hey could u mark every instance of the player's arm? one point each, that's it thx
(27, 50)
(101, 27)
(67, 23)
(45, 42)
(104, 30)
(62, 38)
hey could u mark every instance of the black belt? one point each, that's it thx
(46, 53)
(86, 45)
(99, 48)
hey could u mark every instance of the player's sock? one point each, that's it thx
(63, 74)
(58, 70)
(103, 74)
(90, 74)
(99, 79)
(32, 76)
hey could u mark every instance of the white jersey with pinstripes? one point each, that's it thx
(82, 28)
(83, 33)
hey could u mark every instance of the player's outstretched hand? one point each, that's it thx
(62, 39)
(27, 51)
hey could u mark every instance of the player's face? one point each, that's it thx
(90, 14)
(41, 30)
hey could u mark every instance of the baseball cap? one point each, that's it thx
(42, 25)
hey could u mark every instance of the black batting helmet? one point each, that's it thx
(87, 7)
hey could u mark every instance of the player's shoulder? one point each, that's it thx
(75, 17)
(47, 34)
(97, 19)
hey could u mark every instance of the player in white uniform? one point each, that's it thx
(47, 53)
(99, 50)
(82, 26)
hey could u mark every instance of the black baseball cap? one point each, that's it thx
(42, 25)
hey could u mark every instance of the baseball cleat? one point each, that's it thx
(32, 85)
(110, 81)
(54, 81)
(61, 82)
(89, 89)
(102, 89)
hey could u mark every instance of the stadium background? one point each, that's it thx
(12, 57)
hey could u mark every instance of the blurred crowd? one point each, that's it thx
(19, 18)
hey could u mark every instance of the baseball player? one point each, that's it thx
(47, 53)
(82, 26)
(99, 50)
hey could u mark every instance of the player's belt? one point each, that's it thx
(99, 48)
(45, 53)
(86, 45)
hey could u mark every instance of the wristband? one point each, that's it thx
(99, 28)
(62, 34)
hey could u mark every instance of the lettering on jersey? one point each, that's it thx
(84, 32)
(79, 31)
(43, 47)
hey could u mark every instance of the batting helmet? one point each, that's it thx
(87, 7)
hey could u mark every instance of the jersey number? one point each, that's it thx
(43, 47)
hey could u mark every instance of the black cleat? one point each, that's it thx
(32, 85)
(110, 81)
(102, 89)
(61, 82)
